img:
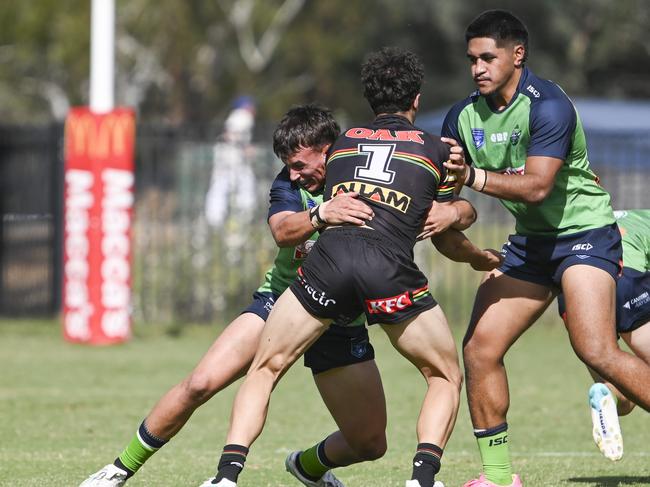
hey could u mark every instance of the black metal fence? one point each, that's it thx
(201, 243)
(30, 224)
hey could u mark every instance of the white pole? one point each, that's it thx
(102, 56)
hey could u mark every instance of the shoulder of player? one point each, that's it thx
(282, 182)
(433, 144)
(457, 108)
(543, 91)
(548, 102)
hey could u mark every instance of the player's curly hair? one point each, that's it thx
(500, 25)
(303, 126)
(391, 79)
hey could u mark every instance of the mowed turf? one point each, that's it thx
(66, 410)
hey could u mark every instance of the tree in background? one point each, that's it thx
(184, 61)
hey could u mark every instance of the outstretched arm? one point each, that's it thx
(293, 228)
(456, 246)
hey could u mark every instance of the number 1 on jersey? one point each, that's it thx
(377, 162)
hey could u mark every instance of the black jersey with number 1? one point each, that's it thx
(397, 169)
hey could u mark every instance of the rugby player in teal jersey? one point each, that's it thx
(606, 402)
(522, 142)
(342, 361)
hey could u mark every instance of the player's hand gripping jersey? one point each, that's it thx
(398, 170)
(539, 121)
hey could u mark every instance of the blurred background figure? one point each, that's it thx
(232, 186)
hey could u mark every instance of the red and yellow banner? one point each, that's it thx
(98, 211)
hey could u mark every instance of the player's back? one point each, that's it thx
(396, 168)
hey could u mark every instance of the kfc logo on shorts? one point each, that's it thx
(389, 305)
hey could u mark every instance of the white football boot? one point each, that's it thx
(606, 428)
(327, 480)
(222, 483)
(415, 483)
(109, 476)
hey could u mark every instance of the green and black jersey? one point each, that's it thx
(540, 120)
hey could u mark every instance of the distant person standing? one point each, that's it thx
(232, 186)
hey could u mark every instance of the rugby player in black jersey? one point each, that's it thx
(398, 170)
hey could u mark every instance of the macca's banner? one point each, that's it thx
(98, 210)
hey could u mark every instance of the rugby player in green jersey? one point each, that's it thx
(606, 402)
(342, 361)
(521, 140)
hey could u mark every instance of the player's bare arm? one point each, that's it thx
(458, 214)
(293, 228)
(457, 247)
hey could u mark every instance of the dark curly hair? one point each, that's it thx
(391, 79)
(308, 125)
(500, 25)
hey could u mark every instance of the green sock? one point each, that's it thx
(314, 462)
(142, 446)
(495, 454)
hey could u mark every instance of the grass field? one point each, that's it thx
(66, 410)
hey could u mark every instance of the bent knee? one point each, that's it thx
(478, 352)
(198, 388)
(598, 356)
(370, 448)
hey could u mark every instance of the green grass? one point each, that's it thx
(66, 410)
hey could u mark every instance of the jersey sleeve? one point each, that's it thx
(445, 186)
(450, 127)
(284, 195)
(552, 123)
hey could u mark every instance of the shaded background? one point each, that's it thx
(182, 64)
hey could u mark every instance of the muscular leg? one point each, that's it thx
(225, 362)
(639, 342)
(504, 308)
(355, 398)
(590, 301)
(427, 343)
(288, 332)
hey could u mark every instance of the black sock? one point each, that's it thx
(118, 463)
(231, 462)
(426, 464)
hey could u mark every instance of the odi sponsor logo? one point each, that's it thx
(389, 305)
(315, 294)
(385, 196)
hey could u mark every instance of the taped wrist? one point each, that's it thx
(315, 218)
(471, 176)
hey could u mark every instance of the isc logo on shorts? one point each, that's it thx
(389, 305)
(583, 246)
